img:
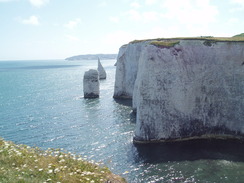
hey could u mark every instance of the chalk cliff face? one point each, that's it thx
(126, 70)
(191, 89)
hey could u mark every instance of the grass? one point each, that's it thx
(239, 35)
(23, 164)
(164, 44)
(237, 38)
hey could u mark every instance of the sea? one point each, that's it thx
(42, 104)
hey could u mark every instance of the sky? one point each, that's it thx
(57, 29)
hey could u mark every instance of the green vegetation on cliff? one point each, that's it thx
(23, 164)
(239, 35)
(238, 38)
(165, 44)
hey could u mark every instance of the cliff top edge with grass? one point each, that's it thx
(236, 38)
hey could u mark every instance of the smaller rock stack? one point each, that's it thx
(101, 70)
(91, 84)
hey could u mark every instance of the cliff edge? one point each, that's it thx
(184, 88)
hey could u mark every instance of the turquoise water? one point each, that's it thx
(42, 104)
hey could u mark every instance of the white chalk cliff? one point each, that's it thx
(101, 70)
(91, 84)
(126, 70)
(191, 88)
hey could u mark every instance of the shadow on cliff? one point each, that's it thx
(190, 150)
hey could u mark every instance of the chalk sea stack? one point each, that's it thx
(101, 70)
(183, 88)
(91, 84)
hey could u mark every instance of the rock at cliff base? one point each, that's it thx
(101, 70)
(91, 84)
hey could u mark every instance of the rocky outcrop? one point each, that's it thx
(184, 88)
(91, 84)
(126, 69)
(101, 70)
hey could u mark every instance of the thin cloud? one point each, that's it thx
(150, 2)
(118, 38)
(236, 10)
(72, 24)
(233, 21)
(114, 19)
(4, 1)
(145, 17)
(32, 20)
(190, 11)
(134, 15)
(38, 3)
(160, 32)
(72, 38)
(103, 4)
(238, 2)
(150, 16)
(135, 5)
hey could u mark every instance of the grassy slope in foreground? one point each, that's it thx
(23, 164)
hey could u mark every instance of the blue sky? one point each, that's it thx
(56, 29)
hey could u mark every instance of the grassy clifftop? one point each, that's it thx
(239, 35)
(23, 164)
(237, 38)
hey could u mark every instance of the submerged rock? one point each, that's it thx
(91, 84)
(101, 70)
(190, 88)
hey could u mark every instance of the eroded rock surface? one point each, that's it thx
(101, 70)
(126, 70)
(91, 84)
(192, 89)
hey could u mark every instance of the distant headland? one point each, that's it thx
(92, 57)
